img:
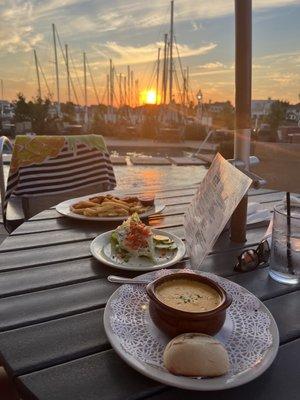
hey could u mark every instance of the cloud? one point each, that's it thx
(197, 26)
(16, 31)
(126, 54)
(212, 65)
(213, 72)
(280, 56)
(128, 31)
(284, 78)
(116, 15)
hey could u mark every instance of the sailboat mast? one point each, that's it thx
(184, 88)
(107, 89)
(157, 75)
(165, 70)
(132, 87)
(68, 72)
(128, 84)
(56, 69)
(171, 50)
(37, 74)
(125, 91)
(120, 90)
(137, 92)
(85, 89)
(2, 97)
(111, 82)
(187, 83)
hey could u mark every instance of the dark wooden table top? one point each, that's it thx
(52, 298)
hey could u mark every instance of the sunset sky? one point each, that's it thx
(130, 31)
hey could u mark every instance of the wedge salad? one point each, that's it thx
(135, 239)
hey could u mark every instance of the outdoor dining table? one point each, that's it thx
(53, 294)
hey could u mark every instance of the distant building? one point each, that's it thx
(52, 110)
(260, 108)
(7, 110)
(218, 107)
(293, 113)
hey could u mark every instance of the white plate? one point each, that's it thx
(64, 209)
(249, 334)
(101, 250)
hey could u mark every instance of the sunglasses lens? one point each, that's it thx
(247, 261)
(263, 251)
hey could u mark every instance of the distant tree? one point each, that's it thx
(225, 118)
(68, 110)
(277, 114)
(22, 109)
(35, 111)
(98, 124)
(39, 112)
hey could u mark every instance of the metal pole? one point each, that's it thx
(164, 80)
(132, 87)
(125, 91)
(37, 75)
(187, 83)
(171, 51)
(128, 83)
(56, 69)
(243, 76)
(85, 89)
(111, 88)
(120, 90)
(2, 98)
(107, 89)
(137, 92)
(68, 73)
(184, 87)
(157, 74)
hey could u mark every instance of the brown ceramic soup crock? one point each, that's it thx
(173, 321)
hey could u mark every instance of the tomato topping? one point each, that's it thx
(137, 236)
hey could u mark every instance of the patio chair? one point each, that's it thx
(46, 170)
(15, 206)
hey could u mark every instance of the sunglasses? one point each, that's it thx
(250, 259)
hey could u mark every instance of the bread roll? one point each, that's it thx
(196, 354)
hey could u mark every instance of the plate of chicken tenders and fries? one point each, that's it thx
(108, 207)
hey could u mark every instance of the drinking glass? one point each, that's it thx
(285, 249)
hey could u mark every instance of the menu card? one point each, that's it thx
(213, 204)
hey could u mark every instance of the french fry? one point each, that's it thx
(113, 204)
(119, 202)
(109, 205)
(90, 212)
(84, 204)
(112, 213)
(77, 210)
(97, 200)
(104, 208)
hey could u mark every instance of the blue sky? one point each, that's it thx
(129, 31)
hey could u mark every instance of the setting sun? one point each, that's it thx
(149, 97)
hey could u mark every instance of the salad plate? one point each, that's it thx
(249, 334)
(136, 247)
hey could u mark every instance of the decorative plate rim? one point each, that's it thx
(177, 257)
(217, 383)
(63, 208)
